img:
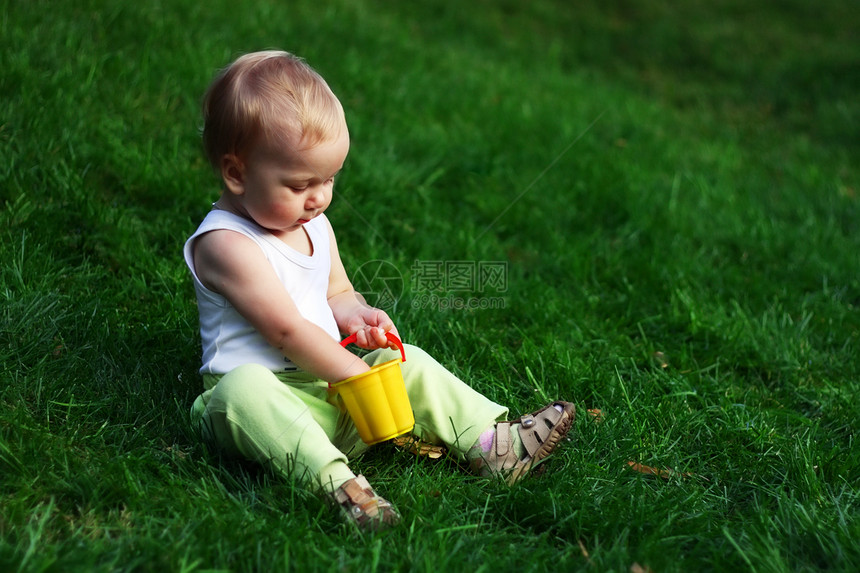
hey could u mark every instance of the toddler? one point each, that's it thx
(274, 300)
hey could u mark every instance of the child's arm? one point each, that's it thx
(232, 265)
(352, 313)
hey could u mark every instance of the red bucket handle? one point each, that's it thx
(389, 335)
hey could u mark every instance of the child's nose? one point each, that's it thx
(316, 196)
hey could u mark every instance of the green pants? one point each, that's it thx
(292, 422)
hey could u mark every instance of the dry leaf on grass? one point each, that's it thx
(660, 359)
(648, 470)
(636, 568)
(419, 448)
(584, 551)
(596, 415)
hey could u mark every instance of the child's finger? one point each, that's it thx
(361, 338)
(379, 337)
(370, 338)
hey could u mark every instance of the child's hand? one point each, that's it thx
(369, 326)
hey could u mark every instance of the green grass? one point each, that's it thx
(674, 189)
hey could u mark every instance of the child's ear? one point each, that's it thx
(233, 174)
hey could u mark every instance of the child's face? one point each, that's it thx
(282, 189)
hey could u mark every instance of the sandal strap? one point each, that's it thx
(504, 456)
(502, 439)
(363, 505)
(348, 488)
(356, 491)
(535, 428)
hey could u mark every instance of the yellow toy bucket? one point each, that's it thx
(376, 400)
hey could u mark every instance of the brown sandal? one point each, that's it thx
(540, 431)
(364, 507)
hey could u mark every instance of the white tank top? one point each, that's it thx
(228, 339)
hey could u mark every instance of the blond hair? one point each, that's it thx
(269, 97)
